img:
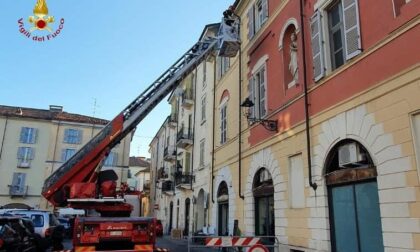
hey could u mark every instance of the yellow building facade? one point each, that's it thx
(36, 142)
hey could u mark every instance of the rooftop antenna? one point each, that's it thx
(93, 115)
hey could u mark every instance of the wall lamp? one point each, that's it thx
(247, 105)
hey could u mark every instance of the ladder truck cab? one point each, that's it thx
(81, 184)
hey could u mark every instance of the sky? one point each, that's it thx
(106, 53)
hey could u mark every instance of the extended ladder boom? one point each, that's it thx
(82, 166)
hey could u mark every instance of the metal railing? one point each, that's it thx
(162, 173)
(183, 178)
(167, 186)
(184, 133)
(233, 243)
(18, 191)
(169, 151)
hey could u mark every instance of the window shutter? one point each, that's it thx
(317, 46)
(251, 91)
(265, 9)
(14, 187)
(218, 67)
(251, 24)
(63, 155)
(115, 159)
(31, 154)
(263, 93)
(22, 138)
(21, 185)
(79, 136)
(34, 136)
(351, 28)
(20, 153)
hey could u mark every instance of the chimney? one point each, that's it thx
(56, 108)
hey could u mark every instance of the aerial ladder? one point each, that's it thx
(81, 184)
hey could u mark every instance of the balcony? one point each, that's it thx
(184, 137)
(168, 187)
(187, 98)
(169, 153)
(184, 180)
(18, 191)
(162, 174)
(172, 119)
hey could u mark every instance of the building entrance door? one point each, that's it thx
(356, 218)
(171, 212)
(187, 217)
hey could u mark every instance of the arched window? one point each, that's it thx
(223, 116)
(353, 198)
(263, 191)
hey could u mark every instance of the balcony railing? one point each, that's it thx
(167, 186)
(172, 118)
(184, 137)
(169, 153)
(162, 174)
(184, 179)
(18, 191)
(187, 98)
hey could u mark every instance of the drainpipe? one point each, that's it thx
(193, 126)
(214, 119)
(240, 115)
(305, 87)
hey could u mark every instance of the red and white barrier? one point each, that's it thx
(232, 241)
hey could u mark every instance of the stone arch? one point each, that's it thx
(225, 175)
(360, 125)
(265, 159)
(199, 216)
(289, 22)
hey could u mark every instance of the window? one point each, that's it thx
(18, 184)
(204, 73)
(202, 151)
(37, 220)
(257, 16)
(112, 159)
(296, 182)
(336, 39)
(223, 124)
(222, 66)
(28, 135)
(203, 109)
(25, 155)
(66, 154)
(258, 95)
(335, 29)
(416, 135)
(73, 136)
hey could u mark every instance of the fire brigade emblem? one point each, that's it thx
(40, 20)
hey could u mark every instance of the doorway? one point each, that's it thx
(187, 217)
(263, 191)
(355, 218)
(171, 211)
(223, 209)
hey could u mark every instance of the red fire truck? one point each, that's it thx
(81, 184)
